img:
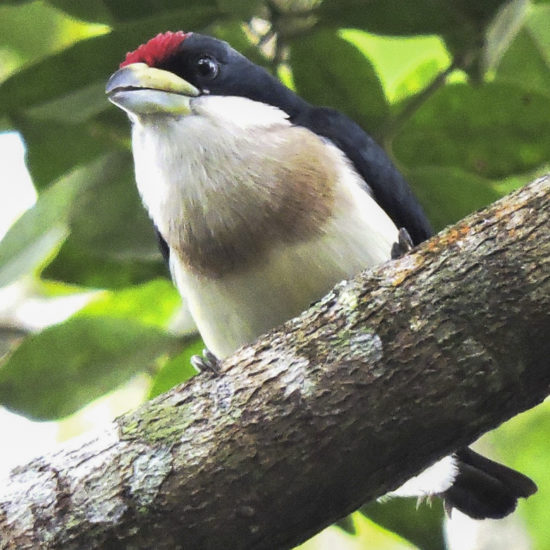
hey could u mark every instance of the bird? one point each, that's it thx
(263, 202)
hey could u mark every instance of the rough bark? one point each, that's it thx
(386, 374)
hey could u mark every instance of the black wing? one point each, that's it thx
(389, 187)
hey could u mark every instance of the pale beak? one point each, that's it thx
(143, 90)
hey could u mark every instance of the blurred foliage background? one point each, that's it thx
(457, 92)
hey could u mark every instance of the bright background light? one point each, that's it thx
(21, 438)
(16, 189)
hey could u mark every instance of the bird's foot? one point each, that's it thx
(403, 245)
(206, 362)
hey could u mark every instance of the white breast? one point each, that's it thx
(238, 308)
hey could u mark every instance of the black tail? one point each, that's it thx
(485, 489)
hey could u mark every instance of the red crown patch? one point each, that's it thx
(156, 49)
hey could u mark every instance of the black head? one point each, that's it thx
(214, 67)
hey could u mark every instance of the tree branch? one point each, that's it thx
(385, 375)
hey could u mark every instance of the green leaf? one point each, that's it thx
(128, 10)
(526, 63)
(502, 31)
(154, 303)
(73, 108)
(177, 369)
(405, 65)
(493, 130)
(54, 148)
(419, 17)
(507, 185)
(90, 60)
(56, 372)
(87, 10)
(29, 28)
(461, 23)
(407, 18)
(15, 262)
(448, 194)
(537, 24)
(32, 31)
(131, 10)
(40, 230)
(329, 71)
(79, 267)
(422, 525)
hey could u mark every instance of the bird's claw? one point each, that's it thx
(206, 362)
(403, 245)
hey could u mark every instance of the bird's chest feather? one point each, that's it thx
(222, 200)
(258, 228)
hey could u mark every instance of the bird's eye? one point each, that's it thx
(207, 67)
